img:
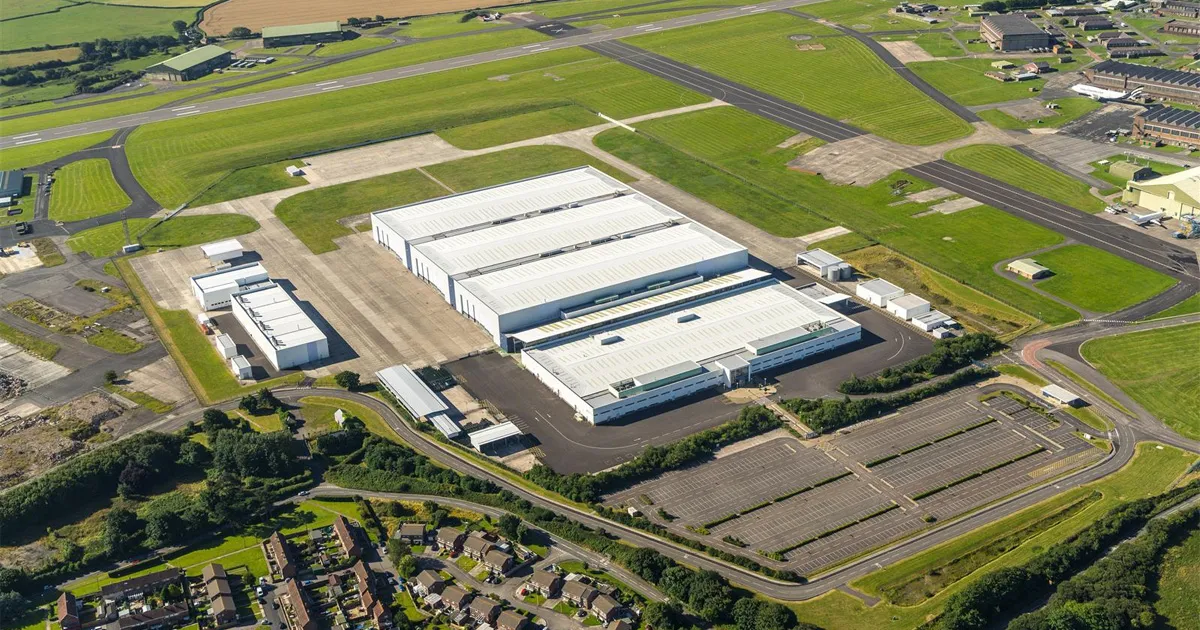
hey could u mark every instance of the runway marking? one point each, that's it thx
(27, 135)
(651, 30)
(332, 87)
(179, 109)
(188, 113)
(531, 46)
(28, 141)
(324, 83)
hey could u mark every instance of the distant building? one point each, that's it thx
(1061, 395)
(1028, 268)
(279, 554)
(484, 610)
(411, 533)
(907, 307)
(1166, 125)
(450, 539)
(140, 586)
(497, 561)
(191, 65)
(1179, 27)
(1173, 195)
(455, 598)
(1094, 23)
(220, 595)
(545, 582)
(215, 289)
(606, 607)
(476, 547)
(297, 598)
(510, 620)
(878, 291)
(1130, 171)
(300, 34)
(1159, 83)
(1036, 67)
(428, 582)
(1182, 8)
(279, 327)
(579, 593)
(1013, 32)
(166, 616)
(12, 183)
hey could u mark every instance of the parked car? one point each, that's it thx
(23, 227)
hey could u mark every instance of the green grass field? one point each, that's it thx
(1186, 307)
(12, 60)
(521, 127)
(176, 159)
(351, 45)
(939, 44)
(1088, 385)
(1069, 109)
(1096, 280)
(963, 80)
(42, 152)
(181, 231)
(1179, 584)
(374, 422)
(253, 180)
(438, 25)
(1022, 372)
(963, 245)
(845, 81)
(313, 215)
(1008, 165)
(865, 15)
(101, 108)
(85, 189)
(1160, 369)
(33, 345)
(19, 8)
(86, 22)
(1151, 471)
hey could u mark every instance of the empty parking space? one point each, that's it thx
(920, 424)
(954, 458)
(853, 541)
(715, 490)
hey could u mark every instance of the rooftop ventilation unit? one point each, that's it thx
(686, 317)
(607, 340)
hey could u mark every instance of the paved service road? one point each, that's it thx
(390, 74)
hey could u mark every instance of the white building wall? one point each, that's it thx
(794, 353)
(557, 386)
(388, 237)
(877, 299)
(674, 391)
(907, 313)
(428, 271)
(260, 339)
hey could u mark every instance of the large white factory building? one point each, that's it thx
(616, 301)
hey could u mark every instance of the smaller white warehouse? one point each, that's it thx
(222, 251)
(241, 368)
(278, 326)
(878, 291)
(495, 435)
(932, 320)
(215, 289)
(908, 306)
(1061, 394)
(422, 402)
(827, 265)
(226, 347)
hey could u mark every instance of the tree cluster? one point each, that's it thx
(260, 402)
(655, 460)
(947, 356)
(1000, 6)
(989, 600)
(828, 414)
(242, 454)
(93, 56)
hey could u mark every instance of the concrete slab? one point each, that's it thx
(161, 379)
(933, 194)
(23, 365)
(18, 259)
(826, 234)
(950, 207)
(907, 52)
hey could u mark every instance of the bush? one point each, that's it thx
(346, 379)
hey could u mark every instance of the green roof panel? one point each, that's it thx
(194, 57)
(300, 29)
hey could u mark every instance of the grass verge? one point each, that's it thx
(1012, 167)
(33, 345)
(181, 231)
(86, 189)
(47, 252)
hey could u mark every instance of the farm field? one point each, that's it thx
(1152, 471)
(1096, 280)
(1008, 165)
(255, 14)
(253, 180)
(86, 22)
(963, 81)
(1069, 109)
(176, 159)
(313, 216)
(1160, 369)
(963, 245)
(845, 81)
(11, 60)
(107, 240)
(86, 189)
(19, 8)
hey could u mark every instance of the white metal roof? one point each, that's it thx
(880, 287)
(445, 424)
(517, 240)
(225, 341)
(240, 362)
(723, 325)
(278, 316)
(221, 248)
(494, 433)
(932, 317)
(819, 258)
(231, 277)
(484, 206)
(594, 268)
(908, 301)
(1059, 393)
(411, 391)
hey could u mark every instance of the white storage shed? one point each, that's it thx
(931, 320)
(422, 402)
(241, 367)
(878, 291)
(505, 432)
(222, 251)
(215, 289)
(908, 306)
(225, 346)
(1060, 394)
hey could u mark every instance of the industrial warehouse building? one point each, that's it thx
(300, 34)
(192, 64)
(279, 327)
(1174, 85)
(215, 289)
(1173, 195)
(422, 402)
(12, 183)
(1182, 8)
(1168, 125)
(616, 301)
(518, 255)
(1013, 32)
(1028, 268)
(1179, 27)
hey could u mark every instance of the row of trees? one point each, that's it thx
(991, 599)
(655, 460)
(828, 414)
(1117, 592)
(948, 355)
(998, 6)
(92, 71)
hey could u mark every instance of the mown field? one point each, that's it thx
(87, 22)
(42, 152)
(739, 152)
(844, 81)
(865, 15)
(176, 159)
(1160, 369)
(1068, 109)
(1153, 470)
(181, 231)
(85, 189)
(1013, 167)
(253, 180)
(491, 133)
(1096, 280)
(963, 80)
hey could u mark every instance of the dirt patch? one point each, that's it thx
(255, 14)
(30, 446)
(808, 47)
(907, 52)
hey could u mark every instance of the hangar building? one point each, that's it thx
(215, 289)
(298, 34)
(547, 248)
(192, 64)
(279, 327)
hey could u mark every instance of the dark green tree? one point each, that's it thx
(346, 379)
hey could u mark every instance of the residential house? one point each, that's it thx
(476, 547)
(484, 610)
(368, 594)
(411, 533)
(497, 561)
(579, 593)
(349, 538)
(545, 582)
(297, 598)
(220, 595)
(455, 598)
(67, 611)
(280, 558)
(450, 539)
(428, 582)
(170, 614)
(605, 607)
(618, 624)
(510, 620)
(142, 585)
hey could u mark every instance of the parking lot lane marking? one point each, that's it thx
(789, 447)
(872, 486)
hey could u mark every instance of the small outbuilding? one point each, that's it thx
(222, 251)
(932, 320)
(907, 307)
(827, 265)
(418, 398)
(225, 346)
(1130, 171)
(495, 435)
(12, 183)
(299, 34)
(1028, 268)
(878, 291)
(1059, 394)
(241, 368)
